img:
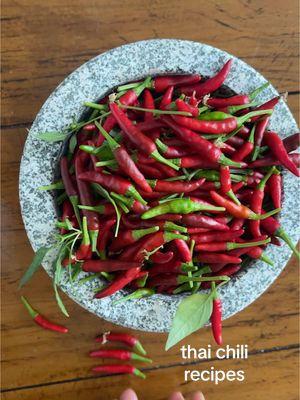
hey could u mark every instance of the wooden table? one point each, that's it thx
(43, 43)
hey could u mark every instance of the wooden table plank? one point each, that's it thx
(282, 383)
(37, 59)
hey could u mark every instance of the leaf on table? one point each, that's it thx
(34, 266)
(193, 312)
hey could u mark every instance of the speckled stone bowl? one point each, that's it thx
(91, 81)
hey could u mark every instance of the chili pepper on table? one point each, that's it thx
(162, 83)
(124, 355)
(204, 147)
(175, 186)
(217, 127)
(273, 141)
(108, 265)
(275, 188)
(216, 316)
(203, 221)
(141, 141)
(225, 181)
(161, 258)
(41, 320)
(124, 338)
(272, 227)
(128, 237)
(211, 84)
(70, 188)
(256, 202)
(238, 211)
(179, 206)
(119, 369)
(167, 98)
(112, 182)
(125, 161)
(217, 236)
(86, 198)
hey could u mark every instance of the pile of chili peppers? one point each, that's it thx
(173, 185)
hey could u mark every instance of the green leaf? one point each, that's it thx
(193, 312)
(60, 302)
(34, 266)
(72, 144)
(52, 136)
(57, 276)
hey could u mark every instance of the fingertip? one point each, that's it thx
(176, 396)
(198, 396)
(128, 394)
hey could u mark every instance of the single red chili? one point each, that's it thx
(257, 253)
(119, 355)
(183, 106)
(217, 236)
(149, 126)
(292, 142)
(225, 182)
(162, 258)
(246, 148)
(203, 221)
(237, 224)
(86, 199)
(124, 338)
(275, 189)
(226, 246)
(172, 151)
(172, 267)
(235, 141)
(151, 172)
(161, 83)
(220, 102)
(204, 147)
(167, 171)
(120, 281)
(176, 186)
(217, 258)
(260, 128)
(239, 211)
(192, 231)
(108, 265)
(277, 148)
(141, 141)
(269, 105)
(129, 237)
(148, 103)
(119, 369)
(216, 316)
(41, 320)
(211, 84)
(256, 202)
(183, 250)
(268, 161)
(167, 98)
(67, 213)
(104, 237)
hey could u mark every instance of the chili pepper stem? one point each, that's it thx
(283, 235)
(139, 348)
(93, 236)
(233, 245)
(226, 161)
(137, 357)
(233, 197)
(139, 373)
(255, 153)
(266, 259)
(158, 157)
(256, 92)
(136, 195)
(74, 201)
(254, 216)
(31, 311)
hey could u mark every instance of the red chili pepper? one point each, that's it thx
(217, 258)
(67, 213)
(238, 211)
(124, 338)
(292, 142)
(141, 141)
(216, 317)
(108, 265)
(148, 126)
(129, 253)
(172, 151)
(259, 135)
(167, 98)
(237, 224)
(104, 237)
(203, 221)
(219, 102)
(119, 355)
(205, 148)
(86, 198)
(257, 253)
(148, 103)
(269, 105)
(235, 141)
(163, 280)
(167, 171)
(268, 161)
(41, 320)
(225, 182)
(277, 148)
(161, 83)
(125, 161)
(275, 186)
(129, 237)
(84, 251)
(151, 172)
(119, 369)
(256, 202)
(192, 231)
(161, 258)
(237, 186)
(245, 149)
(176, 186)
(120, 281)
(183, 250)
(183, 106)
(172, 267)
(226, 246)
(217, 236)
(211, 84)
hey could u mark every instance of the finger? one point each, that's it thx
(129, 394)
(176, 396)
(198, 396)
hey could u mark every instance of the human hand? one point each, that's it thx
(129, 394)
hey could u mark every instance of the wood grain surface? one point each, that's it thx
(42, 43)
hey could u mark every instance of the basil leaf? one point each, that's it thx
(52, 136)
(193, 312)
(34, 266)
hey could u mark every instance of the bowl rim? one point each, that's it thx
(158, 305)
